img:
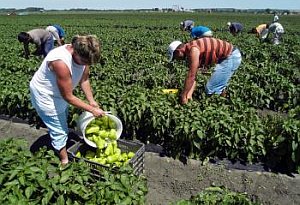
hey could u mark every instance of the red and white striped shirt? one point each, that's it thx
(211, 50)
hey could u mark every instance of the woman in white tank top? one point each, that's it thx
(52, 86)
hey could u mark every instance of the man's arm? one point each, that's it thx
(56, 36)
(26, 49)
(59, 42)
(38, 50)
(189, 84)
(264, 34)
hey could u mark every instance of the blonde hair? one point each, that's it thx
(87, 47)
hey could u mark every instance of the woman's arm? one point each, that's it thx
(64, 82)
(86, 87)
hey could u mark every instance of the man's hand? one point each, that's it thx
(183, 99)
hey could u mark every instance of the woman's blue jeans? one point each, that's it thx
(58, 128)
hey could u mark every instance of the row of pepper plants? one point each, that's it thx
(259, 122)
(27, 178)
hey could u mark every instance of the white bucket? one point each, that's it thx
(86, 117)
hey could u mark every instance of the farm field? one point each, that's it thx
(259, 123)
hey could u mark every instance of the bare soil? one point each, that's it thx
(170, 180)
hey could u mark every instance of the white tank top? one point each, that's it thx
(45, 93)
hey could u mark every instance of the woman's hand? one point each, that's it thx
(97, 112)
(94, 103)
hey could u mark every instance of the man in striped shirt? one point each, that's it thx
(206, 51)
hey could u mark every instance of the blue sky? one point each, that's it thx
(140, 4)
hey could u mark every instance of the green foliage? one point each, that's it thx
(134, 70)
(283, 144)
(39, 179)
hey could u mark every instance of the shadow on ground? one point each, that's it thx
(45, 141)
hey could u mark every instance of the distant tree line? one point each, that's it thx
(209, 10)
